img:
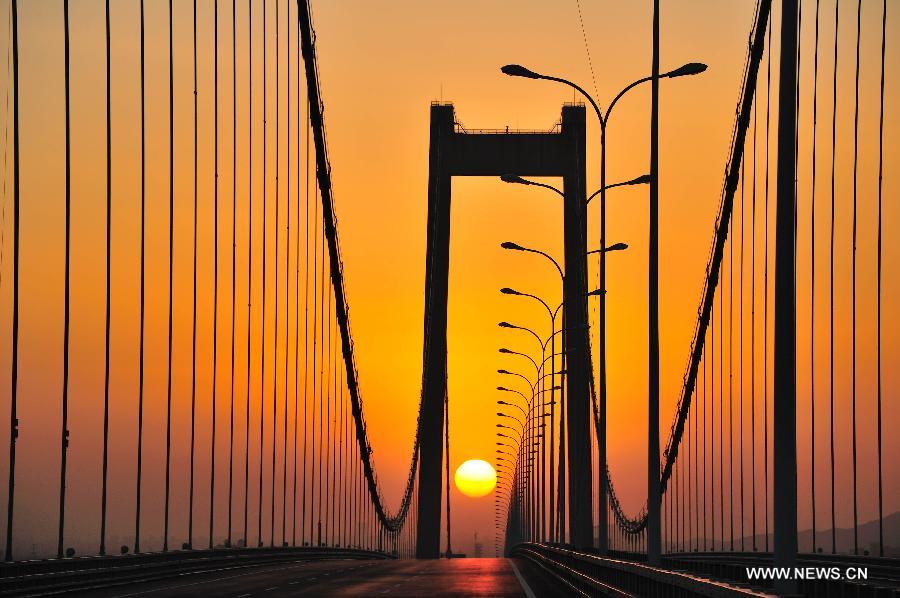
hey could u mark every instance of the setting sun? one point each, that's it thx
(475, 478)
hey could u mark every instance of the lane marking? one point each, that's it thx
(525, 587)
(253, 571)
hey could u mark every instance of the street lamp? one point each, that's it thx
(506, 351)
(509, 245)
(644, 179)
(501, 414)
(613, 247)
(511, 405)
(516, 70)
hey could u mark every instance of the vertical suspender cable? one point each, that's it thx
(753, 337)
(741, 347)
(249, 258)
(766, 297)
(853, 300)
(447, 466)
(731, 379)
(329, 395)
(287, 270)
(878, 306)
(812, 291)
(323, 310)
(14, 371)
(233, 258)
(103, 492)
(721, 417)
(296, 288)
(321, 382)
(190, 540)
(696, 472)
(315, 377)
(171, 258)
(339, 528)
(837, 11)
(334, 425)
(215, 339)
(64, 433)
(287, 319)
(140, 430)
(215, 334)
(297, 311)
(702, 405)
(712, 428)
(306, 331)
(275, 275)
(264, 239)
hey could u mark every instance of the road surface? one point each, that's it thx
(407, 578)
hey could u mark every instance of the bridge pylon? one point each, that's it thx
(454, 151)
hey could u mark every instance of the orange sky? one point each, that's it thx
(380, 67)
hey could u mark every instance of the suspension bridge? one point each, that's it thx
(241, 463)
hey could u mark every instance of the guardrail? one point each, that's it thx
(591, 575)
(711, 573)
(829, 571)
(54, 576)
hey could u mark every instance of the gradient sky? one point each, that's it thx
(381, 64)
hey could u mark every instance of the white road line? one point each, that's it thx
(254, 571)
(525, 587)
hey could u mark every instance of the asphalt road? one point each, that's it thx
(433, 578)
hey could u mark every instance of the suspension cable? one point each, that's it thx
(853, 296)
(140, 430)
(837, 12)
(64, 431)
(14, 369)
(233, 260)
(812, 285)
(190, 540)
(215, 330)
(878, 307)
(105, 458)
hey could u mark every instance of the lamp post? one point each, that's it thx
(515, 70)
(562, 431)
(552, 317)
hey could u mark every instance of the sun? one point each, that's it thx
(475, 478)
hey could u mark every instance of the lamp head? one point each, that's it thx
(505, 325)
(517, 70)
(510, 244)
(515, 179)
(691, 68)
(644, 179)
(509, 291)
(617, 247)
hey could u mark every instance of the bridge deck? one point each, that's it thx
(458, 577)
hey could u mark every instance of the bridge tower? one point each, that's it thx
(456, 152)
